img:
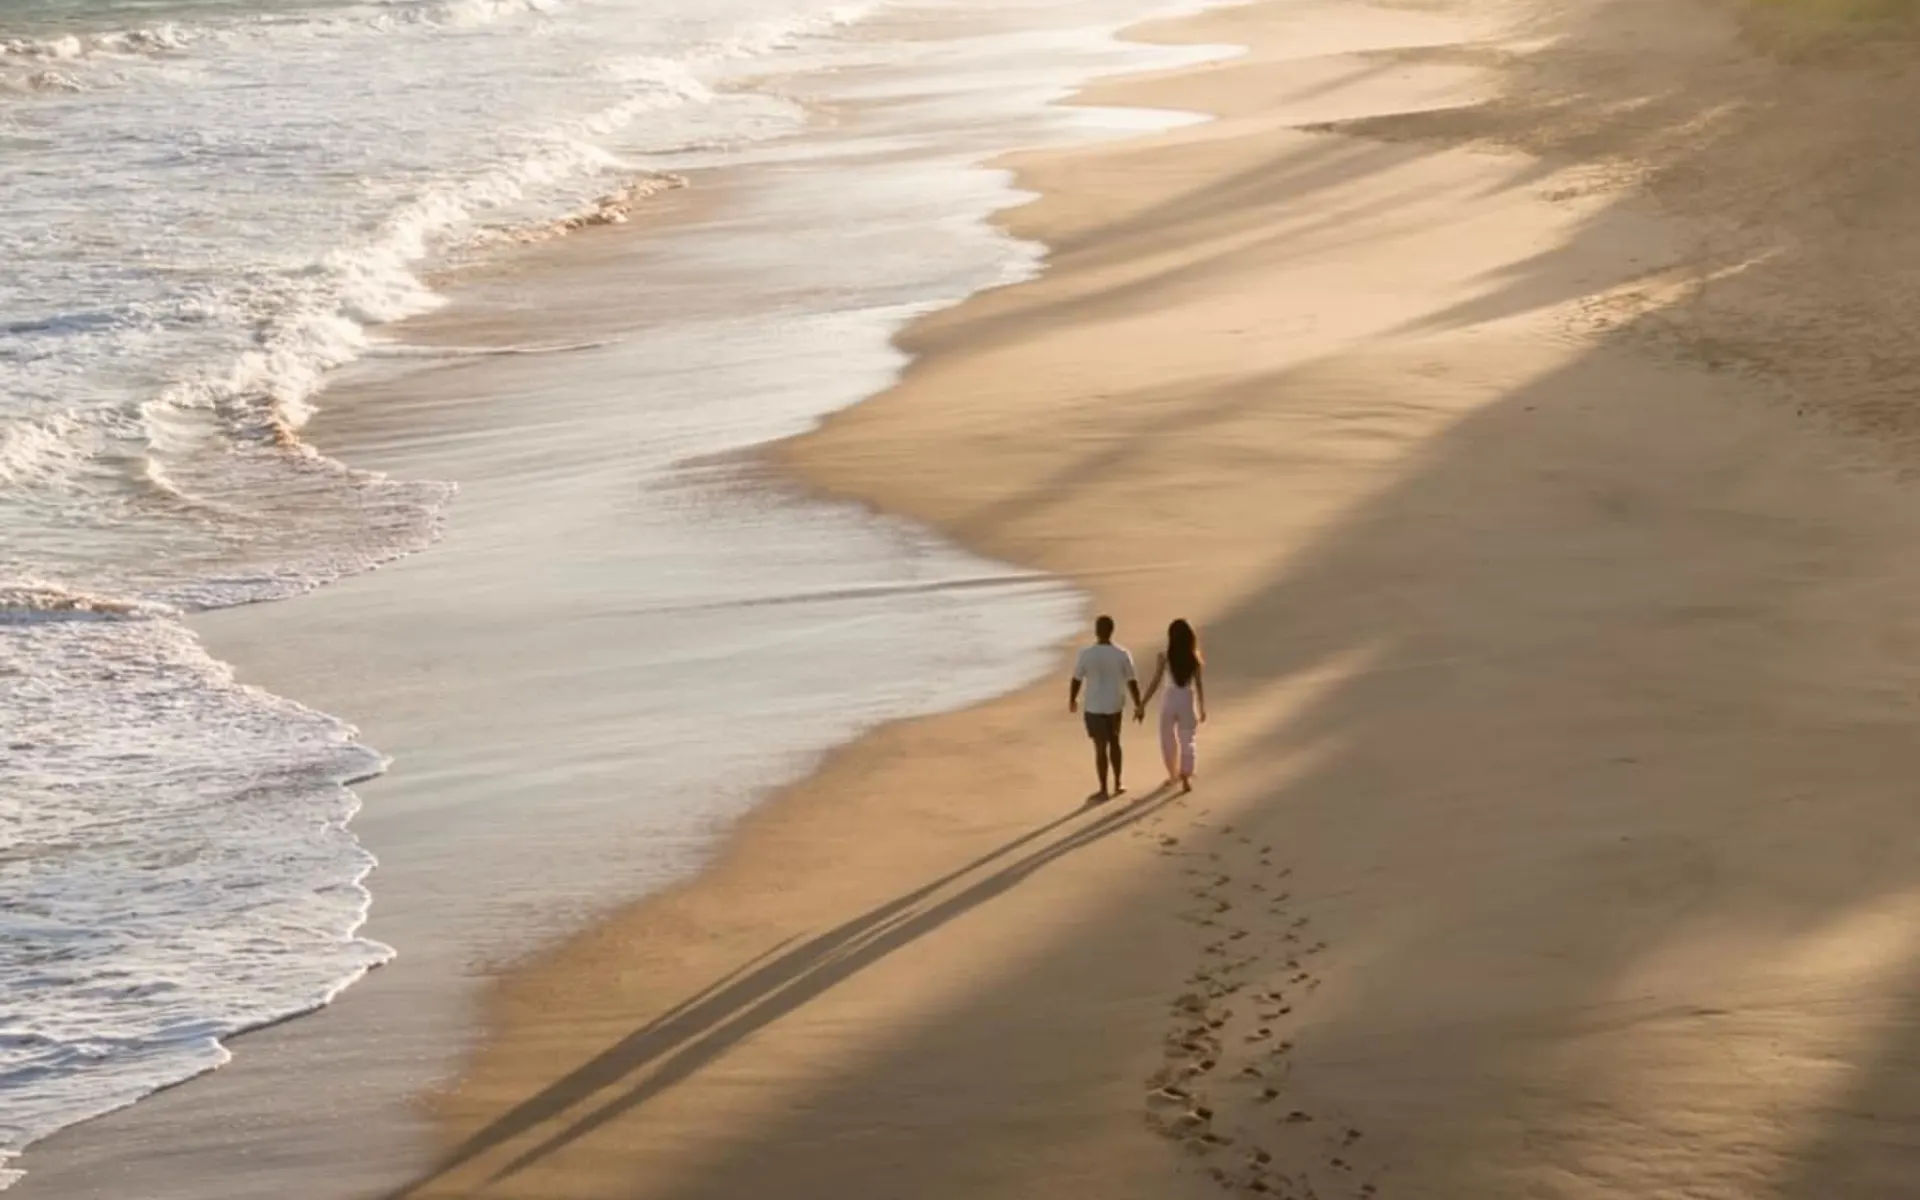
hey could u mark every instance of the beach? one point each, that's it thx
(1515, 398)
(1542, 846)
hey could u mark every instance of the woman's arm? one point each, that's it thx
(1159, 669)
(1200, 689)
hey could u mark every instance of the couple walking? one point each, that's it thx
(1104, 672)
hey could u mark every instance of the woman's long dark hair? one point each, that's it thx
(1183, 652)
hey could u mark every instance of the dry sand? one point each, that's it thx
(1550, 837)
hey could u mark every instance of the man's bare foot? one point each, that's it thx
(1119, 789)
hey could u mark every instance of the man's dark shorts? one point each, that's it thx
(1103, 727)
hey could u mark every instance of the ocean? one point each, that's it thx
(210, 209)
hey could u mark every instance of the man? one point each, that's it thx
(1106, 672)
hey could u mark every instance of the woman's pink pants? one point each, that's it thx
(1178, 722)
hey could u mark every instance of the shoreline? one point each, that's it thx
(1547, 836)
(388, 1028)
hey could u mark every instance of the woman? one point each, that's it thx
(1186, 704)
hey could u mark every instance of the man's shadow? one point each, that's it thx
(704, 1027)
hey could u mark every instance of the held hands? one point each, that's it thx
(1139, 713)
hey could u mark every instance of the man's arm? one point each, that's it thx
(1153, 685)
(1073, 695)
(1133, 685)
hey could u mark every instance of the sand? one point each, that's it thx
(1513, 398)
(1483, 385)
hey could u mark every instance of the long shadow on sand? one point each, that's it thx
(705, 1026)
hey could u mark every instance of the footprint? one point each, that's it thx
(1296, 1117)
